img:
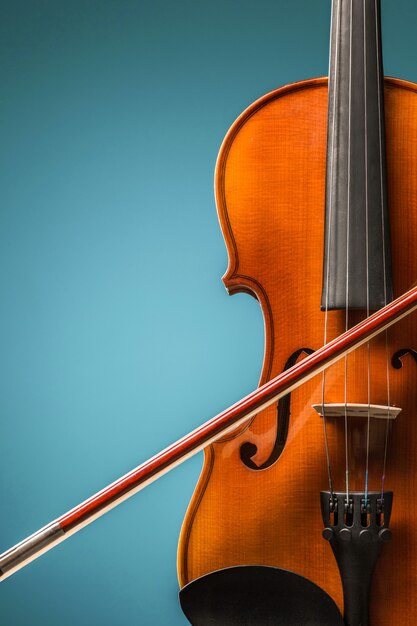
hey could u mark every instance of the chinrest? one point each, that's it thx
(252, 595)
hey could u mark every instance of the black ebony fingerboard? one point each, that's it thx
(357, 257)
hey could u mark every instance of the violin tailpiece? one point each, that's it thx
(356, 528)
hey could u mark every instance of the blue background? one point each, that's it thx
(117, 336)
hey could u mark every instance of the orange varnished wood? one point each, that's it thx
(270, 184)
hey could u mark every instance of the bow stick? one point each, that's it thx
(71, 522)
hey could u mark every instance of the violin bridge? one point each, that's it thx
(350, 409)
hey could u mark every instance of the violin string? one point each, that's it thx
(347, 255)
(368, 429)
(387, 424)
(326, 314)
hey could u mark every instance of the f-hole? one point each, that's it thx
(248, 449)
(396, 360)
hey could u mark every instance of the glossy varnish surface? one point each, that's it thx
(270, 184)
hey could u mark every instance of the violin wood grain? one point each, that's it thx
(270, 185)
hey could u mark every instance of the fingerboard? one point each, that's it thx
(357, 256)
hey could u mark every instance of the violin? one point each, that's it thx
(348, 435)
(261, 446)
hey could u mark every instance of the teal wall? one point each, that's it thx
(116, 333)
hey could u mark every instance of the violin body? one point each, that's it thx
(270, 191)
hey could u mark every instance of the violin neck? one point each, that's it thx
(357, 258)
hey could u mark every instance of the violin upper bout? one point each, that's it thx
(252, 175)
